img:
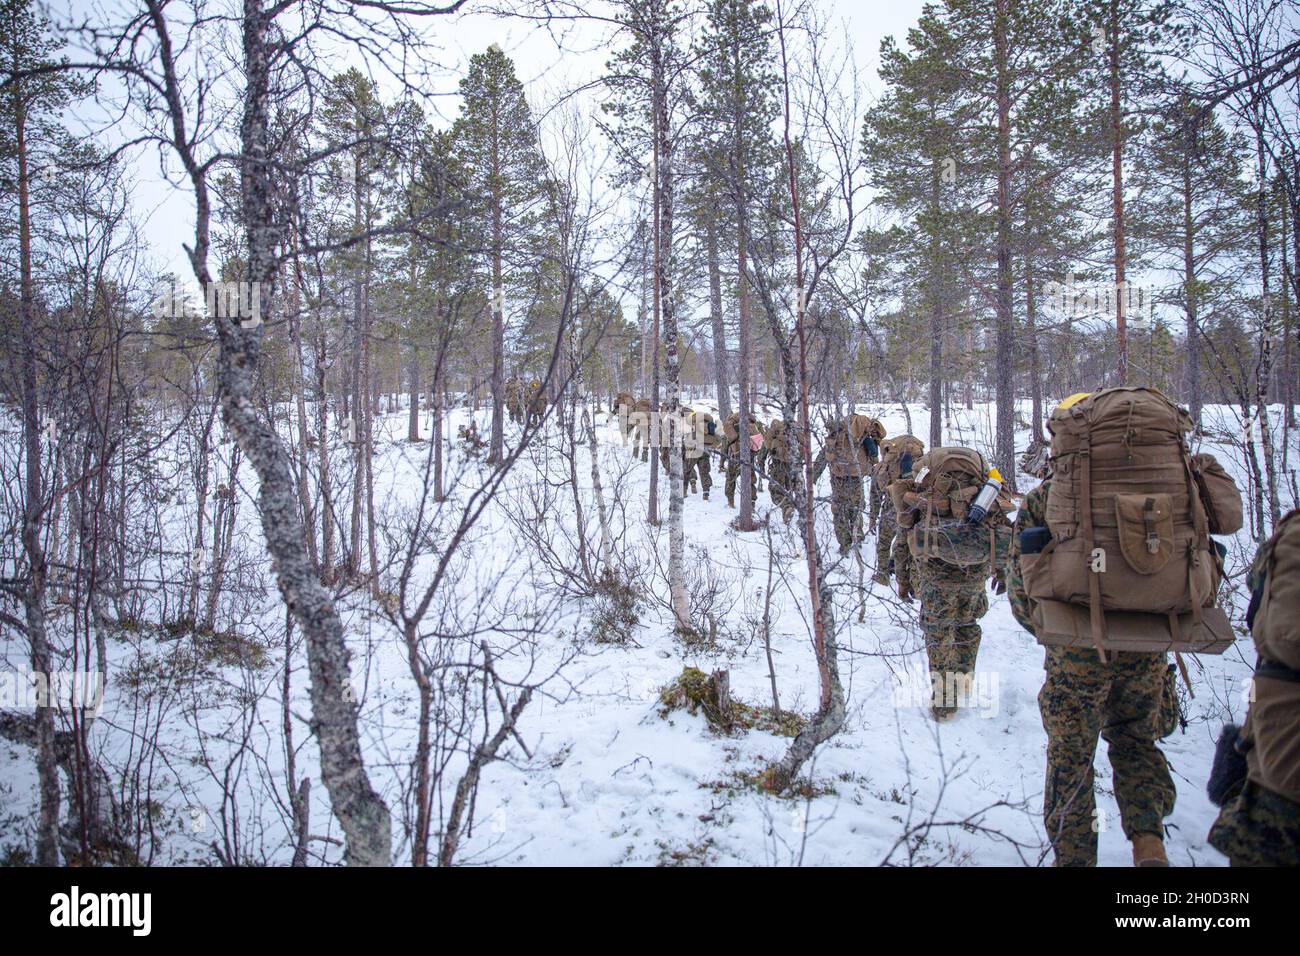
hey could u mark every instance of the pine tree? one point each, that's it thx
(496, 137)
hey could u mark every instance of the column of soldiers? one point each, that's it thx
(943, 532)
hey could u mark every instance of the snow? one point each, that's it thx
(610, 781)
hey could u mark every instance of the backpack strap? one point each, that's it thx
(1097, 618)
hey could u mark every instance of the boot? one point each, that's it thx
(706, 496)
(731, 503)
(880, 577)
(1149, 850)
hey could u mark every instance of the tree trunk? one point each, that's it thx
(1191, 295)
(47, 768)
(715, 317)
(361, 812)
(1117, 196)
(668, 308)
(936, 311)
(1005, 389)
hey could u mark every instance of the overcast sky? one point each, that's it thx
(547, 68)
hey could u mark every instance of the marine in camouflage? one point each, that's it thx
(953, 599)
(1083, 699)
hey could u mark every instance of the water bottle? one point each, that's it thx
(979, 508)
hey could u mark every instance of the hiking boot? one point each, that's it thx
(880, 577)
(693, 488)
(1149, 850)
(706, 496)
(943, 714)
(730, 503)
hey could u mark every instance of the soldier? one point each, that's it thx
(1082, 698)
(896, 458)
(695, 459)
(1259, 823)
(623, 405)
(515, 399)
(536, 403)
(640, 426)
(852, 450)
(949, 563)
(780, 469)
(731, 455)
(699, 466)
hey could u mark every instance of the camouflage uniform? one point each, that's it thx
(640, 426)
(1081, 699)
(536, 403)
(1258, 828)
(840, 451)
(780, 474)
(515, 399)
(953, 600)
(696, 473)
(731, 456)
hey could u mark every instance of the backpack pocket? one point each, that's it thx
(1146, 531)
(1219, 494)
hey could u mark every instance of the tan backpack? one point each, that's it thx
(1129, 532)
(861, 426)
(935, 504)
(891, 456)
(776, 442)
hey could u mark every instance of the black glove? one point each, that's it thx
(1229, 770)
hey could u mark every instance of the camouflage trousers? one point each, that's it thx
(640, 433)
(887, 535)
(693, 470)
(778, 482)
(953, 600)
(733, 473)
(1258, 828)
(699, 470)
(1081, 699)
(847, 504)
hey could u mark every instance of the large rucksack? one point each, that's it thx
(775, 441)
(935, 505)
(891, 457)
(1129, 532)
(853, 445)
(1270, 731)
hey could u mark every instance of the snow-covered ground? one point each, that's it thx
(608, 778)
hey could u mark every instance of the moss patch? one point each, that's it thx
(695, 692)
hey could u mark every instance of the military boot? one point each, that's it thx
(1149, 850)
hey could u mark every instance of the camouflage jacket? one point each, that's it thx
(1033, 514)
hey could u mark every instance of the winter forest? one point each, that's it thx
(347, 346)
